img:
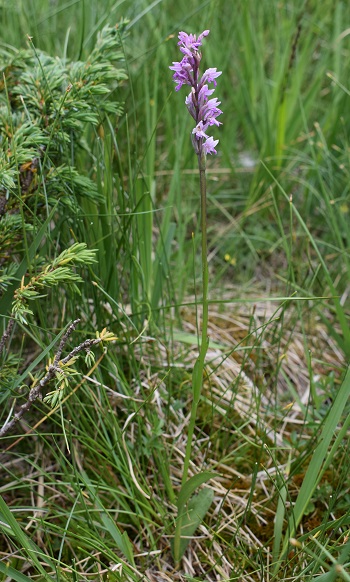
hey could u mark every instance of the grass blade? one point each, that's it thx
(28, 546)
(317, 464)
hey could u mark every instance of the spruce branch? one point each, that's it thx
(58, 271)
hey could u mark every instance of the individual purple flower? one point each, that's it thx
(210, 75)
(182, 74)
(203, 95)
(209, 112)
(203, 110)
(199, 130)
(190, 105)
(209, 145)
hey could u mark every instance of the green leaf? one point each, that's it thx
(121, 539)
(193, 516)
(320, 459)
(183, 517)
(336, 572)
(13, 574)
(192, 340)
(35, 555)
(191, 485)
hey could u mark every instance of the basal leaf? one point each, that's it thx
(193, 516)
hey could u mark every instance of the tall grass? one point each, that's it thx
(89, 487)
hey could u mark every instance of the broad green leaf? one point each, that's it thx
(191, 339)
(193, 516)
(191, 485)
(185, 493)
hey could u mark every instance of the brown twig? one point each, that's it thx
(53, 368)
(6, 334)
(53, 410)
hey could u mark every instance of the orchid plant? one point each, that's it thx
(205, 111)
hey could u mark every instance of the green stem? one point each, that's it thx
(197, 377)
(198, 370)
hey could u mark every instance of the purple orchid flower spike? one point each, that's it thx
(203, 110)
